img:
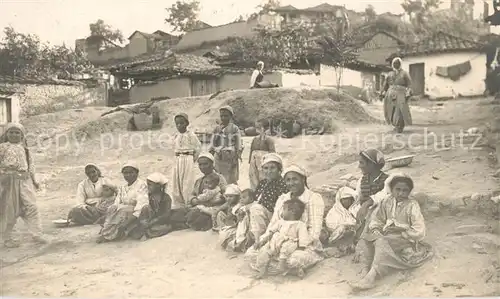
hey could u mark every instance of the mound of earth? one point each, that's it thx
(45, 126)
(314, 109)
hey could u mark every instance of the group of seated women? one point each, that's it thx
(281, 226)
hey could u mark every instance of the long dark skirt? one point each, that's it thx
(89, 214)
(152, 225)
(199, 221)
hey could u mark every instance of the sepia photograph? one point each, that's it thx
(249, 149)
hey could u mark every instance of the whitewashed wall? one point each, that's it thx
(295, 79)
(328, 77)
(469, 85)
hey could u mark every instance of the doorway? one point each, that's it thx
(417, 74)
(5, 110)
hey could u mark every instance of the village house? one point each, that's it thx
(140, 43)
(369, 69)
(445, 66)
(201, 41)
(10, 107)
(184, 75)
(22, 96)
(320, 13)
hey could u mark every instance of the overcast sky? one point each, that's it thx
(59, 21)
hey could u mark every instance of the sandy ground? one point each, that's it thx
(189, 264)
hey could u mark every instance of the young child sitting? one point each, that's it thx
(243, 238)
(107, 199)
(211, 190)
(224, 215)
(341, 224)
(210, 195)
(283, 238)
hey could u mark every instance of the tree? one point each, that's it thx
(20, 53)
(277, 48)
(419, 11)
(269, 6)
(24, 55)
(103, 35)
(371, 15)
(295, 43)
(183, 15)
(337, 51)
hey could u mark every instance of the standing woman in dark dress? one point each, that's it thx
(257, 79)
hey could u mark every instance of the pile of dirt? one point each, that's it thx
(313, 109)
(45, 126)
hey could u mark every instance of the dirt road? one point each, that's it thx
(189, 264)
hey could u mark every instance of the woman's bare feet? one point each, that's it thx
(366, 283)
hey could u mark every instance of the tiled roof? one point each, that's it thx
(285, 8)
(39, 80)
(7, 90)
(440, 42)
(324, 7)
(216, 54)
(197, 38)
(158, 35)
(364, 37)
(132, 61)
(176, 63)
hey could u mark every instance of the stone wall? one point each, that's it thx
(46, 98)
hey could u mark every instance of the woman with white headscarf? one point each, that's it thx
(17, 186)
(300, 260)
(122, 217)
(257, 79)
(91, 205)
(397, 90)
(197, 219)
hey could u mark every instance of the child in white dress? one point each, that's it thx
(284, 238)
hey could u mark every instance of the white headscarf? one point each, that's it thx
(400, 62)
(158, 178)
(131, 165)
(232, 189)
(338, 215)
(206, 155)
(271, 157)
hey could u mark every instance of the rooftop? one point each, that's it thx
(440, 42)
(175, 63)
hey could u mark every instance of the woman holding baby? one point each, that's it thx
(255, 217)
(307, 250)
(206, 197)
